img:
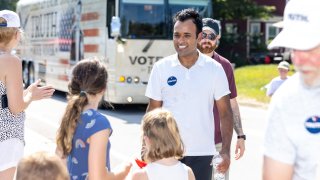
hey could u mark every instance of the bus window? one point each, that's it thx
(142, 19)
(202, 6)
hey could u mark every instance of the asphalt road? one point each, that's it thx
(43, 119)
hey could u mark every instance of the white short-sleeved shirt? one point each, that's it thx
(293, 130)
(189, 94)
(156, 171)
(274, 84)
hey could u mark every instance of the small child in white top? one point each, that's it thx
(276, 82)
(163, 148)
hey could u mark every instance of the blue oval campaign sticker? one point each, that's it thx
(313, 124)
(172, 80)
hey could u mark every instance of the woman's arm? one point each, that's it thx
(19, 100)
(13, 81)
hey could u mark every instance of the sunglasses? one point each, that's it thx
(209, 36)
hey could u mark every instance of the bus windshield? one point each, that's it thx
(202, 6)
(152, 19)
(141, 19)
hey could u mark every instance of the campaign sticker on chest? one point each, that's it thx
(313, 124)
(172, 80)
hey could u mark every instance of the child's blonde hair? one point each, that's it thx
(41, 165)
(161, 129)
(7, 33)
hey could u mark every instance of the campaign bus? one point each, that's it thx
(128, 35)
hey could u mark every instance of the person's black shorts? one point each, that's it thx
(4, 101)
(200, 166)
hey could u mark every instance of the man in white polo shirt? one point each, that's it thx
(292, 139)
(187, 83)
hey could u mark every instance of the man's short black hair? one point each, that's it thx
(187, 14)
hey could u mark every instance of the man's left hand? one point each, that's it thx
(240, 148)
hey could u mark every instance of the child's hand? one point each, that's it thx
(127, 168)
(124, 170)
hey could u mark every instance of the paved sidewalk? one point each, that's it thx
(36, 142)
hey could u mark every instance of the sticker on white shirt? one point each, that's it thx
(313, 124)
(172, 80)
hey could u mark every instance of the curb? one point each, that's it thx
(252, 103)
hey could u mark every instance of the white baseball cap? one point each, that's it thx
(284, 65)
(301, 26)
(11, 17)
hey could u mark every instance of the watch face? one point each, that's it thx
(242, 136)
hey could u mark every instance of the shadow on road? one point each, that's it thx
(131, 113)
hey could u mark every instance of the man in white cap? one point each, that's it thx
(275, 83)
(292, 139)
(207, 44)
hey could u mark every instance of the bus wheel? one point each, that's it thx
(105, 105)
(25, 74)
(31, 74)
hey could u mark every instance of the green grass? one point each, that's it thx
(251, 79)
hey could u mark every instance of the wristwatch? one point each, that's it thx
(242, 136)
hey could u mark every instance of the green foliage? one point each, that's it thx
(229, 42)
(240, 9)
(257, 43)
(250, 81)
(226, 10)
(8, 4)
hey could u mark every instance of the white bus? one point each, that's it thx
(59, 33)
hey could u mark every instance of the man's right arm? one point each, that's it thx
(226, 126)
(153, 104)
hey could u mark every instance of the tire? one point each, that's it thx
(106, 105)
(25, 74)
(31, 73)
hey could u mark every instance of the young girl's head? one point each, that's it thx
(42, 165)
(9, 27)
(89, 78)
(161, 136)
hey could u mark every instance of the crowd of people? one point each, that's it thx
(184, 126)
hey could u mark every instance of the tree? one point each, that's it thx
(233, 43)
(240, 9)
(8, 4)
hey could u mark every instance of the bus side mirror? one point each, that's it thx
(115, 26)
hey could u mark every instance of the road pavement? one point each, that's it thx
(43, 120)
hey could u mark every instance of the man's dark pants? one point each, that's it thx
(200, 166)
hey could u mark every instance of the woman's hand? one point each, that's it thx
(35, 92)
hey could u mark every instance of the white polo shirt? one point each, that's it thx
(189, 94)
